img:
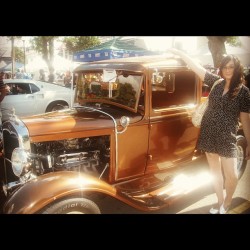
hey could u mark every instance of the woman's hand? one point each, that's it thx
(192, 63)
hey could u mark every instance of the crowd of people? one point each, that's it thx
(20, 74)
(66, 77)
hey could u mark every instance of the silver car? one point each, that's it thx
(30, 97)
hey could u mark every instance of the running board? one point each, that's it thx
(157, 190)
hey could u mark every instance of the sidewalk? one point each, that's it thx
(240, 203)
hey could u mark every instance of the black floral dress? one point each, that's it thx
(220, 122)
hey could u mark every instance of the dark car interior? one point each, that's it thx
(182, 91)
(19, 89)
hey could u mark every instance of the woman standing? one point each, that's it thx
(228, 102)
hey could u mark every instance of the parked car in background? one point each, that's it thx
(130, 138)
(30, 97)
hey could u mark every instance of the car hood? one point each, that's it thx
(71, 120)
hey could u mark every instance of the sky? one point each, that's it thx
(161, 43)
(156, 43)
(186, 43)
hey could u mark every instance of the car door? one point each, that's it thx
(172, 136)
(21, 100)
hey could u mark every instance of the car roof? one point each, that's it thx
(134, 63)
(40, 83)
(20, 80)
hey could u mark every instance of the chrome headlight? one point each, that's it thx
(19, 161)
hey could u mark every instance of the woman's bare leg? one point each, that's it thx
(216, 171)
(231, 178)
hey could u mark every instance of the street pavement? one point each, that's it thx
(197, 202)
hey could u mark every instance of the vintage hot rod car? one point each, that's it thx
(130, 137)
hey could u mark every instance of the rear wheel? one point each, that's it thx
(241, 157)
(73, 206)
(56, 106)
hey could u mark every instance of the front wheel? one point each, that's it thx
(241, 155)
(72, 206)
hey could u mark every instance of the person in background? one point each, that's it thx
(4, 89)
(26, 75)
(67, 79)
(7, 76)
(19, 74)
(247, 79)
(42, 75)
(228, 102)
(51, 77)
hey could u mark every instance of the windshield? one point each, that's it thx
(109, 85)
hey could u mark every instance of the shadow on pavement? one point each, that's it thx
(240, 206)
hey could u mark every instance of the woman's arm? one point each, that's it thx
(245, 120)
(195, 66)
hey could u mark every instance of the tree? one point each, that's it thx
(19, 55)
(78, 43)
(216, 45)
(13, 56)
(45, 46)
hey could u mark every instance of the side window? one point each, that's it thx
(23, 89)
(170, 89)
(34, 88)
(19, 88)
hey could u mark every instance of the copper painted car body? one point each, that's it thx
(131, 138)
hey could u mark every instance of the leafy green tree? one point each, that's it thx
(78, 43)
(19, 54)
(44, 45)
(216, 45)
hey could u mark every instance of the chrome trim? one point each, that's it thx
(106, 166)
(17, 127)
(11, 186)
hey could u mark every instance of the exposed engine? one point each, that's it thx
(90, 155)
(25, 160)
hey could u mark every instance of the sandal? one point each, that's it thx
(214, 210)
(223, 210)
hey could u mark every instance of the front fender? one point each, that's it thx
(45, 189)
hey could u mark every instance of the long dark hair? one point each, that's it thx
(238, 76)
